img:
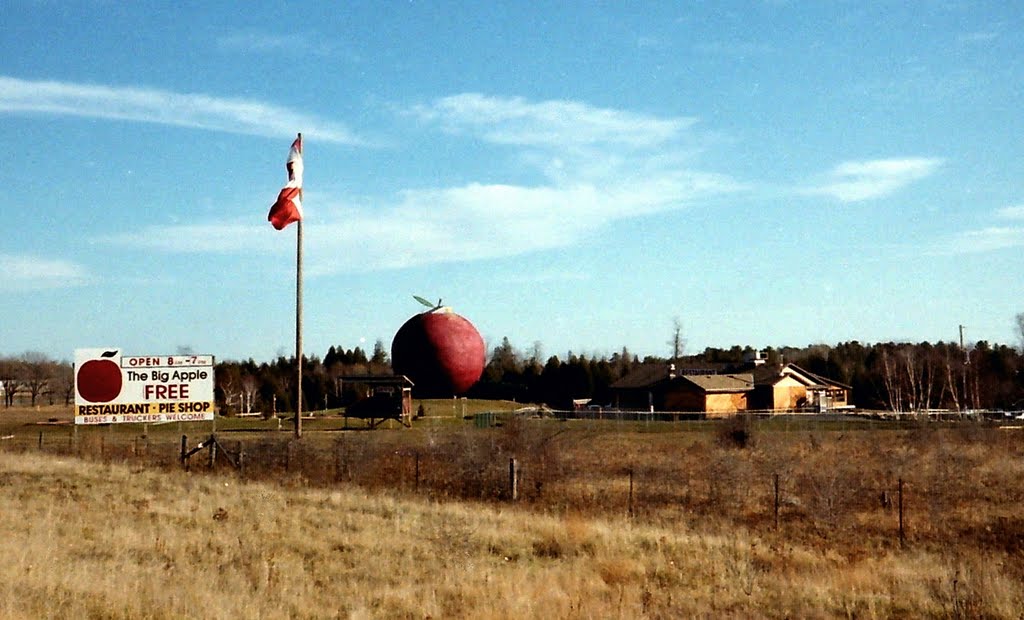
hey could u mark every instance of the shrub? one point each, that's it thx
(737, 432)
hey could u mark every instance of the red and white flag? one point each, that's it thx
(288, 207)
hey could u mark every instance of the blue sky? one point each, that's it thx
(574, 174)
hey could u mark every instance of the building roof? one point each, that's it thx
(722, 383)
(378, 380)
(769, 375)
(642, 376)
(648, 375)
(825, 380)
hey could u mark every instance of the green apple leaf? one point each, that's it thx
(428, 304)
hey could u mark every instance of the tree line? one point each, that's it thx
(903, 377)
(891, 376)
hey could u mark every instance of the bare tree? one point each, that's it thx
(920, 377)
(913, 387)
(537, 353)
(972, 390)
(63, 382)
(12, 373)
(928, 378)
(228, 380)
(953, 385)
(678, 343)
(250, 392)
(39, 371)
(1020, 329)
(890, 380)
(910, 373)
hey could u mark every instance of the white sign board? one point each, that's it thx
(111, 388)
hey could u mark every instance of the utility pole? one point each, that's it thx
(967, 358)
(967, 365)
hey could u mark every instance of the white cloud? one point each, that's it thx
(978, 37)
(1015, 212)
(21, 272)
(595, 167)
(560, 124)
(651, 42)
(201, 237)
(244, 116)
(854, 181)
(259, 42)
(991, 238)
(252, 41)
(739, 50)
(988, 239)
(476, 221)
(424, 227)
(549, 276)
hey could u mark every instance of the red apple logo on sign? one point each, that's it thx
(99, 380)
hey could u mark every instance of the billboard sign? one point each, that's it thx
(111, 388)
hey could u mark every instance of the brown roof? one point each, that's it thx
(824, 380)
(769, 375)
(648, 375)
(722, 383)
(642, 376)
(378, 379)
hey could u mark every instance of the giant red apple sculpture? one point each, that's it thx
(439, 350)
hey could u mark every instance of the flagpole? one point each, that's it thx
(298, 318)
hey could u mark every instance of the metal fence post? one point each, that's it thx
(776, 501)
(630, 507)
(513, 483)
(902, 533)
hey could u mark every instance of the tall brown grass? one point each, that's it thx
(120, 540)
(612, 520)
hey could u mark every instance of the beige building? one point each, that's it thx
(659, 387)
(790, 388)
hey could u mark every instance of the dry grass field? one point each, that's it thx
(613, 520)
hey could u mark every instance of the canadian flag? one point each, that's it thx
(288, 207)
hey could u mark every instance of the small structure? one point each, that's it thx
(715, 395)
(377, 398)
(718, 390)
(659, 387)
(789, 387)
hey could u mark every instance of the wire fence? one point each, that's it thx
(823, 478)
